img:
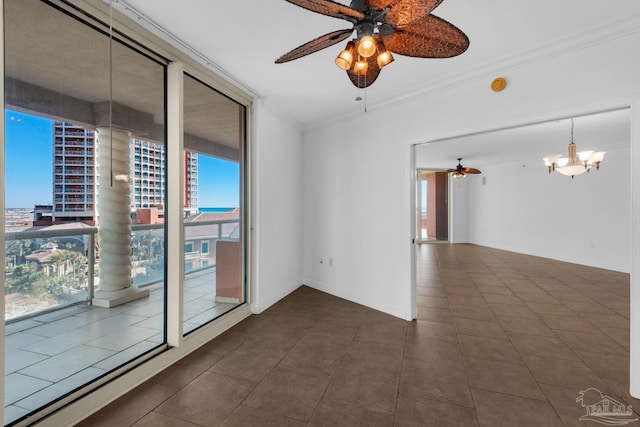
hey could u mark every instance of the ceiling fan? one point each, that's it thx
(405, 27)
(461, 171)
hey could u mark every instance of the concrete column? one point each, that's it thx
(114, 220)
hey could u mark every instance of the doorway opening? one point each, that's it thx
(432, 215)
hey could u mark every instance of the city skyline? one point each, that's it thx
(29, 166)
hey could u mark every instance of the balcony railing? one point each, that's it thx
(48, 270)
(86, 180)
(72, 190)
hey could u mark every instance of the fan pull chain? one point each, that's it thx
(365, 92)
(358, 97)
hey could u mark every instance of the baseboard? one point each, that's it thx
(267, 301)
(340, 293)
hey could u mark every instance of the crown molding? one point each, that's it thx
(574, 42)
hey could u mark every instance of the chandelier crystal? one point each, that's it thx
(577, 162)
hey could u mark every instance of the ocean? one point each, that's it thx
(201, 210)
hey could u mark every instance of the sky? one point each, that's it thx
(29, 167)
(28, 150)
(218, 183)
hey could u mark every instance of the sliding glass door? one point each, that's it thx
(91, 214)
(84, 272)
(213, 204)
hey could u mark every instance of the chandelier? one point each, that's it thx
(577, 162)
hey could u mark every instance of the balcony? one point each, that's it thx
(71, 161)
(77, 133)
(75, 152)
(78, 142)
(56, 340)
(73, 181)
(79, 171)
(29, 253)
(74, 208)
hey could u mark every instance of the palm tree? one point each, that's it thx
(58, 259)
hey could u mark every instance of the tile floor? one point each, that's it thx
(501, 339)
(50, 355)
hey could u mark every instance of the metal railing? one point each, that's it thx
(53, 266)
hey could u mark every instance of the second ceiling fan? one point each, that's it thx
(460, 171)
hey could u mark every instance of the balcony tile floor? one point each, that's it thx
(52, 354)
(501, 339)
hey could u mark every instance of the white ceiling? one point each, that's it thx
(244, 37)
(529, 144)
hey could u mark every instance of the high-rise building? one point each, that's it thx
(190, 183)
(75, 169)
(147, 169)
(74, 174)
(147, 164)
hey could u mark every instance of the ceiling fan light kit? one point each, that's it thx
(405, 27)
(361, 67)
(366, 46)
(345, 58)
(577, 163)
(384, 55)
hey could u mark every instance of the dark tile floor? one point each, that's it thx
(502, 339)
(52, 354)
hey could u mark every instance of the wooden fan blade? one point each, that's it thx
(362, 81)
(471, 171)
(429, 37)
(315, 45)
(404, 12)
(400, 5)
(330, 8)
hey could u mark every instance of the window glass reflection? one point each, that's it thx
(85, 268)
(214, 142)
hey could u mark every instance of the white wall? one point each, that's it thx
(357, 172)
(355, 209)
(585, 220)
(459, 211)
(277, 207)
